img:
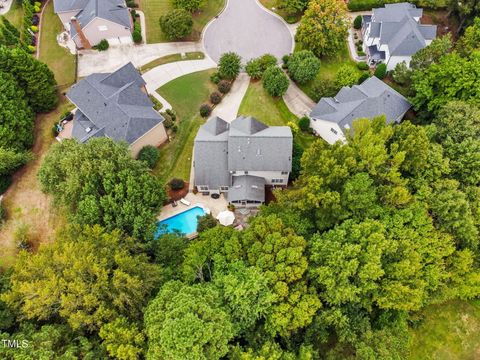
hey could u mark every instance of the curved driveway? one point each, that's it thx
(246, 28)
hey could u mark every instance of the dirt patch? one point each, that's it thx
(24, 202)
(176, 195)
(445, 24)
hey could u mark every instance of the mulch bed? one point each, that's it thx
(176, 195)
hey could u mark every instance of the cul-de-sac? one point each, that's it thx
(239, 179)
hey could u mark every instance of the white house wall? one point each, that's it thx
(394, 60)
(267, 175)
(114, 31)
(323, 129)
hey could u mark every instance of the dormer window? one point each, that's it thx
(334, 131)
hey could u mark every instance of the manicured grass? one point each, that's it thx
(15, 14)
(24, 201)
(271, 111)
(328, 69)
(58, 59)
(196, 55)
(274, 5)
(154, 9)
(185, 94)
(449, 331)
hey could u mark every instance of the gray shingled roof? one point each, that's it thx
(253, 146)
(113, 103)
(372, 98)
(396, 27)
(111, 10)
(244, 145)
(211, 154)
(247, 187)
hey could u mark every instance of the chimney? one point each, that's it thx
(83, 39)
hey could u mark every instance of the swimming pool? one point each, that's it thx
(186, 222)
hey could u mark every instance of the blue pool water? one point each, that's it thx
(186, 222)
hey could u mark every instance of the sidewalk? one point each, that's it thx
(163, 74)
(228, 108)
(297, 101)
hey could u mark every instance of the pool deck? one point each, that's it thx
(214, 205)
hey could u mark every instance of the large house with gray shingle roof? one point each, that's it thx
(331, 118)
(90, 21)
(394, 33)
(240, 158)
(116, 105)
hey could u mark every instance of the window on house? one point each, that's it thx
(246, 172)
(333, 131)
(277, 181)
(284, 172)
(102, 28)
(203, 188)
(223, 188)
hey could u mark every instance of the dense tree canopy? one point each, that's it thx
(323, 27)
(275, 82)
(100, 183)
(87, 277)
(303, 66)
(32, 76)
(177, 24)
(16, 118)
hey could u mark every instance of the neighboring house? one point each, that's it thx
(332, 117)
(240, 158)
(116, 105)
(89, 21)
(393, 34)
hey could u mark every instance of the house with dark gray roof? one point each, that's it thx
(393, 34)
(90, 21)
(116, 105)
(240, 158)
(331, 118)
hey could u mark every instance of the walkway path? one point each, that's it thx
(228, 108)
(297, 101)
(352, 49)
(163, 74)
(143, 25)
(92, 61)
(248, 29)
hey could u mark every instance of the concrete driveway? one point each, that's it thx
(92, 61)
(248, 29)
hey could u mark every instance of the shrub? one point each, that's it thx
(102, 45)
(363, 77)
(22, 236)
(215, 78)
(324, 88)
(206, 222)
(285, 59)
(157, 105)
(31, 49)
(256, 67)
(149, 154)
(229, 66)
(177, 24)
(205, 110)
(137, 36)
(357, 23)
(176, 184)
(189, 5)
(215, 97)
(304, 123)
(171, 113)
(381, 71)
(346, 76)
(37, 3)
(131, 4)
(34, 28)
(3, 213)
(224, 86)
(362, 65)
(275, 82)
(303, 66)
(133, 13)
(168, 123)
(361, 53)
(36, 9)
(402, 74)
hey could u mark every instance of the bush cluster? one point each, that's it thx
(205, 110)
(177, 24)
(362, 65)
(381, 71)
(224, 86)
(256, 67)
(149, 154)
(176, 184)
(102, 45)
(303, 66)
(137, 33)
(275, 82)
(216, 97)
(304, 123)
(357, 23)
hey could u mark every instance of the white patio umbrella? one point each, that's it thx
(226, 218)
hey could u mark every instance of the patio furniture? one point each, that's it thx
(226, 218)
(174, 204)
(185, 202)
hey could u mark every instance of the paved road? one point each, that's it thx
(163, 74)
(92, 61)
(246, 28)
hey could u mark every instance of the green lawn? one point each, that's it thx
(274, 4)
(154, 9)
(449, 331)
(15, 14)
(58, 59)
(185, 94)
(271, 111)
(328, 69)
(196, 55)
